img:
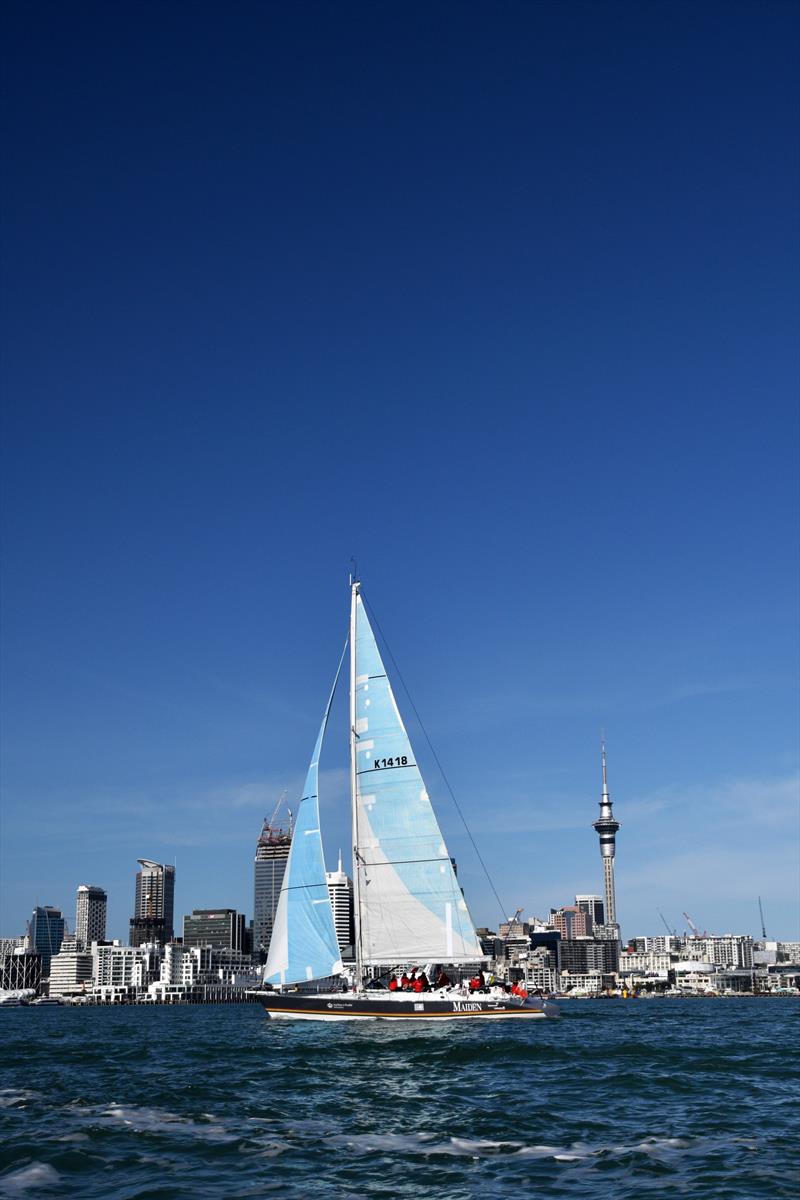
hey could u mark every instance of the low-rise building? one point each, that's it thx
(118, 966)
(644, 964)
(583, 983)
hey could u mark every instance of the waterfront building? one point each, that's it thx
(729, 950)
(272, 853)
(541, 978)
(181, 965)
(231, 968)
(70, 971)
(47, 933)
(152, 919)
(20, 970)
(631, 963)
(90, 915)
(117, 966)
(214, 927)
(582, 983)
(606, 826)
(340, 890)
(593, 907)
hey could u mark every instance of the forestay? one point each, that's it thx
(411, 907)
(303, 944)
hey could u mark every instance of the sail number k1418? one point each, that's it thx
(399, 761)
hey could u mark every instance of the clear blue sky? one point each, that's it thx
(503, 301)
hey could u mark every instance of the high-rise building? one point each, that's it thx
(570, 921)
(340, 890)
(272, 853)
(593, 907)
(607, 827)
(154, 905)
(90, 915)
(589, 954)
(219, 927)
(47, 933)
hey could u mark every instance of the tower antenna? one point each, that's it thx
(606, 826)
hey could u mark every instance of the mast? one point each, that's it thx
(354, 783)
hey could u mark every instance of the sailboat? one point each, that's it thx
(408, 906)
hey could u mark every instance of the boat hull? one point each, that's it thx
(359, 1006)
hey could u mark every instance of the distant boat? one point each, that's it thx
(408, 906)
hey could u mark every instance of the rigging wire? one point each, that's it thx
(373, 617)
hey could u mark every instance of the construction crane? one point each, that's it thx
(272, 834)
(761, 913)
(281, 798)
(671, 932)
(695, 931)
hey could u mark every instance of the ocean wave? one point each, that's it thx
(36, 1175)
(16, 1097)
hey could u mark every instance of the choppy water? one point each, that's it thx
(662, 1098)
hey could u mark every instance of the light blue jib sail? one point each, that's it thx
(410, 904)
(303, 945)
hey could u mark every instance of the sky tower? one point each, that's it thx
(607, 826)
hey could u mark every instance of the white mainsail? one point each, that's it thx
(409, 904)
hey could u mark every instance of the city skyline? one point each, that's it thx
(277, 831)
(506, 311)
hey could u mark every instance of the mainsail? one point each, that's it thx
(303, 944)
(410, 907)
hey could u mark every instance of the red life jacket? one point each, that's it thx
(392, 984)
(418, 985)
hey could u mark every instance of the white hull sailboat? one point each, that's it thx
(408, 906)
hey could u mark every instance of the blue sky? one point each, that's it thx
(504, 303)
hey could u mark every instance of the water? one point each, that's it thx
(663, 1098)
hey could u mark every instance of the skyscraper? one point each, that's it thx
(570, 921)
(154, 905)
(90, 915)
(607, 827)
(340, 890)
(47, 933)
(272, 852)
(593, 907)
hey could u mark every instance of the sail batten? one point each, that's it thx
(409, 903)
(303, 945)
